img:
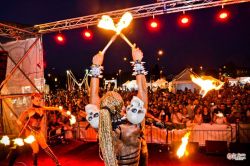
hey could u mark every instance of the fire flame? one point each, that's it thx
(18, 141)
(68, 113)
(60, 108)
(206, 84)
(5, 140)
(30, 139)
(182, 148)
(72, 119)
(124, 22)
(107, 23)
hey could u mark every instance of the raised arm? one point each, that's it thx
(140, 77)
(95, 82)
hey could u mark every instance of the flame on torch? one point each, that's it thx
(180, 152)
(124, 22)
(5, 140)
(106, 22)
(30, 139)
(72, 119)
(18, 141)
(206, 84)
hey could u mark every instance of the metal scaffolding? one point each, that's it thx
(164, 7)
(14, 32)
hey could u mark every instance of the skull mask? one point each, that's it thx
(92, 115)
(136, 111)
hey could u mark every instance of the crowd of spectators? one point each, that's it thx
(231, 104)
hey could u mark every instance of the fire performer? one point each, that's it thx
(31, 123)
(120, 137)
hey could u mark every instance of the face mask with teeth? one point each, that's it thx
(136, 111)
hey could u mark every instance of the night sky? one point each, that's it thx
(205, 42)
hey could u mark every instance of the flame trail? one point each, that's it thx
(180, 152)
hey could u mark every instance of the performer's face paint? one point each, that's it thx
(92, 115)
(136, 111)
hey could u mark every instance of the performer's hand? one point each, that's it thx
(137, 54)
(98, 59)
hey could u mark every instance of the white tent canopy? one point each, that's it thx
(183, 81)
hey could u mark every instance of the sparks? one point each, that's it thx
(72, 119)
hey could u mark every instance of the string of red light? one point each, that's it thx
(184, 20)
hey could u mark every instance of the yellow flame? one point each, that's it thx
(107, 23)
(124, 22)
(5, 140)
(68, 113)
(18, 141)
(180, 152)
(60, 108)
(30, 139)
(206, 84)
(72, 119)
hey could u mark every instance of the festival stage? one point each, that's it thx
(79, 153)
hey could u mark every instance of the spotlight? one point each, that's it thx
(153, 24)
(60, 38)
(87, 34)
(184, 20)
(223, 15)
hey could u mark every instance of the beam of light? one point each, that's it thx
(206, 83)
(184, 141)
(5, 140)
(18, 141)
(72, 119)
(30, 139)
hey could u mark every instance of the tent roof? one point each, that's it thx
(185, 75)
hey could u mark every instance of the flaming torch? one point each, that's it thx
(180, 152)
(5, 140)
(206, 83)
(18, 141)
(107, 23)
(72, 119)
(30, 139)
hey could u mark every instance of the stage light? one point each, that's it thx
(153, 24)
(87, 34)
(223, 15)
(184, 20)
(60, 38)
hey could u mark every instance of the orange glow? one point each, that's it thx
(107, 23)
(182, 149)
(207, 83)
